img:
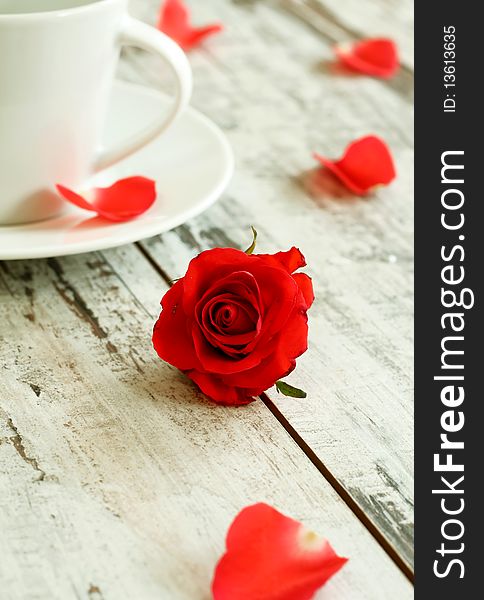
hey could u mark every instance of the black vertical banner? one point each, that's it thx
(449, 237)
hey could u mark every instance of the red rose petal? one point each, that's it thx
(272, 557)
(174, 21)
(126, 199)
(291, 260)
(172, 325)
(377, 57)
(228, 395)
(306, 286)
(73, 198)
(366, 163)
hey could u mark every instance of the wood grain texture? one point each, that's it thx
(269, 82)
(118, 480)
(353, 19)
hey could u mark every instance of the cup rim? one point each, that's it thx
(57, 13)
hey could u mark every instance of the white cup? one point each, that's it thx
(57, 64)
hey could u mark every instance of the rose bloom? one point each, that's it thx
(235, 323)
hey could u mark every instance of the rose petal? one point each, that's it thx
(306, 286)
(214, 388)
(377, 57)
(213, 360)
(291, 260)
(73, 198)
(124, 200)
(171, 335)
(272, 557)
(366, 163)
(174, 21)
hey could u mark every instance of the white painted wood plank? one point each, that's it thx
(266, 83)
(118, 481)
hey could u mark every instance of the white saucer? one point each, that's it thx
(191, 163)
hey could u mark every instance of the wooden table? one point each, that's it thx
(118, 479)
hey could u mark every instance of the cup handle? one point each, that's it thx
(136, 33)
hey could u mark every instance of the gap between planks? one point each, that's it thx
(344, 495)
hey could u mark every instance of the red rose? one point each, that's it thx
(235, 323)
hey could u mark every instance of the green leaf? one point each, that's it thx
(289, 390)
(251, 248)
